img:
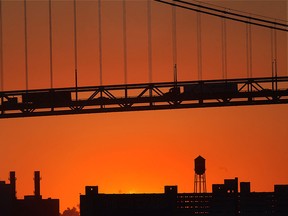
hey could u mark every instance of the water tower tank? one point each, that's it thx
(199, 165)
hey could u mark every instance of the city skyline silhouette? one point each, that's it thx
(230, 198)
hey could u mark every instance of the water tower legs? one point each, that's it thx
(200, 183)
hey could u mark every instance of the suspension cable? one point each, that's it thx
(26, 44)
(227, 12)
(285, 28)
(174, 43)
(125, 41)
(199, 46)
(224, 49)
(50, 44)
(1, 49)
(75, 49)
(149, 32)
(100, 39)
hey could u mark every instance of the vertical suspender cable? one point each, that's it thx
(199, 46)
(272, 56)
(50, 44)
(26, 44)
(275, 52)
(249, 50)
(149, 14)
(75, 50)
(174, 43)
(224, 49)
(100, 39)
(1, 49)
(272, 53)
(125, 41)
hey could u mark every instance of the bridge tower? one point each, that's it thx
(199, 177)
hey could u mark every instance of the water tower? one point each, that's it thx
(199, 178)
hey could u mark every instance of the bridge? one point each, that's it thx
(224, 91)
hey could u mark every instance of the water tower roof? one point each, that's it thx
(199, 158)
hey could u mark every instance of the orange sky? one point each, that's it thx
(139, 151)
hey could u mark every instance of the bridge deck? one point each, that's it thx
(147, 96)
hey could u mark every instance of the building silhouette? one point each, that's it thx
(225, 200)
(32, 205)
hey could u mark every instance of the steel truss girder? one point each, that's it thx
(146, 96)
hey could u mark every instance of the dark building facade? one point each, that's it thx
(6, 199)
(32, 205)
(225, 200)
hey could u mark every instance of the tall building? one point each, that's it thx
(32, 205)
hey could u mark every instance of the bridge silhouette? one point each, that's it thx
(224, 91)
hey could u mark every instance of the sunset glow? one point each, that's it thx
(139, 152)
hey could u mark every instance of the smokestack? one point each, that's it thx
(12, 179)
(37, 184)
